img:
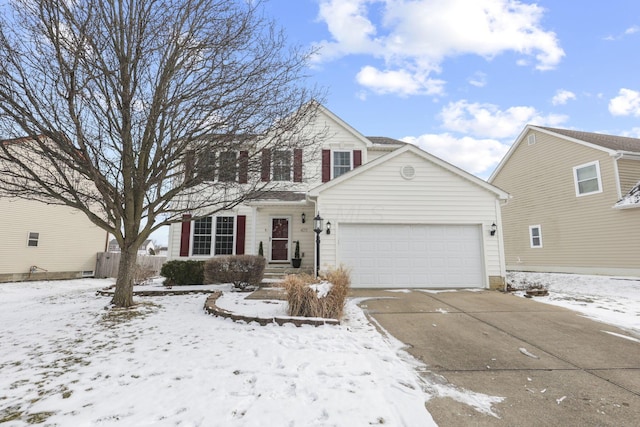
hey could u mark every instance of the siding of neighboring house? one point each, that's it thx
(579, 234)
(67, 241)
(381, 195)
(629, 173)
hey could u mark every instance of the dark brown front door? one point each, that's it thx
(279, 239)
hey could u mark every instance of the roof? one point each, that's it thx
(427, 156)
(612, 142)
(630, 200)
(277, 196)
(383, 140)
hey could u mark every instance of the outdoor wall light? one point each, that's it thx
(328, 227)
(304, 218)
(494, 227)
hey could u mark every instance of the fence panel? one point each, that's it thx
(107, 263)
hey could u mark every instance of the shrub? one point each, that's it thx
(142, 274)
(241, 270)
(179, 273)
(310, 297)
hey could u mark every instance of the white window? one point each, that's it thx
(341, 162)
(282, 165)
(208, 241)
(531, 139)
(535, 236)
(587, 179)
(33, 239)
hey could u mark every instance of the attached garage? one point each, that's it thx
(412, 255)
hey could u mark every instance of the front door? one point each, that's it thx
(279, 239)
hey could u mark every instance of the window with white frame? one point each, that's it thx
(282, 165)
(33, 239)
(341, 163)
(202, 236)
(587, 179)
(224, 235)
(535, 236)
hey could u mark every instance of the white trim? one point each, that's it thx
(616, 171)
(212, 249)
(332, 161)
(539, 236)
(598, 177)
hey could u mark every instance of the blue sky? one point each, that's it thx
(461, 78)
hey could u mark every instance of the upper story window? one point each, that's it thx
(341, 163)
(587, 179)
(228, 166)
(282, 165)
(535, 236)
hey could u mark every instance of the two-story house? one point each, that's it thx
(395, 215)
(571, 192)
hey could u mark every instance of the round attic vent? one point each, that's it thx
(408, 172)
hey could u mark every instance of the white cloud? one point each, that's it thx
(400, 82)
(488, 121)
(632, 30)
(479, 79)
(562, 96)
(419, 35)
(477, 156)
(626, 103)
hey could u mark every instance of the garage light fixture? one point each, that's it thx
(304, 218)
(494, 227)
(328, 227)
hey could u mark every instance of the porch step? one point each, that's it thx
(274, 273)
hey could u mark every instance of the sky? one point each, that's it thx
(462, 78)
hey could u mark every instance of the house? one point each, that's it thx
(395, 215)
(571, 192)
(147, 248)
(113, 246)
(43, 242)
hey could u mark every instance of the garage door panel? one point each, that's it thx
(395, 255)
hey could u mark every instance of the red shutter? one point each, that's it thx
(326, 165)
(243, 167)
(266, 165)
(357, 158)
(241, 227)
(185, 235)
(297, 165)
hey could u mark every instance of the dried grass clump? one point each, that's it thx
(306, 299)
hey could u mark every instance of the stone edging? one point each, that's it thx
(109, 292)
(211, 308)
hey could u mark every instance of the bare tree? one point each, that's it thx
(123, 106)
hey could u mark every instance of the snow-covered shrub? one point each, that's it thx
(241, 270)
(310, 297)
(178, 273)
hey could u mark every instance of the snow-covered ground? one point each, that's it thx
(67, 360)
(612, 300)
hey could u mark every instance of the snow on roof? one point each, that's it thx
(631, 199)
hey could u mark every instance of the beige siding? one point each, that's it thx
(580, 234)
(629, 172)
(381, 195)
(68, 241)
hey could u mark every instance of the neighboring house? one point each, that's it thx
(395, 215)
(113, 246)
(147, 248)
(42, 242)
(570, 193)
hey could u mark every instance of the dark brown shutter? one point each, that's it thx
(243, 167)
(297, 165)
(266, 165)
(241, 229)
(185, 235)
(357, 158)
(326, 165)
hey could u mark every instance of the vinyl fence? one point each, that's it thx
(107, 263)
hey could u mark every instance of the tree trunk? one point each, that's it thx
(123, 296)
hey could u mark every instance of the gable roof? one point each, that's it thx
(414, 149)
(611, 144)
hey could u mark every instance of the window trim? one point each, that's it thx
(539, 236)
(598, 177)
(333, 162)
(212, 248)
(214, 234)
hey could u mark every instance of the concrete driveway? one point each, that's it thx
(552, 366)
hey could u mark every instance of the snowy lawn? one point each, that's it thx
(613, 300)
(65, 361)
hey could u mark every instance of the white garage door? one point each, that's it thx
(435, 256)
